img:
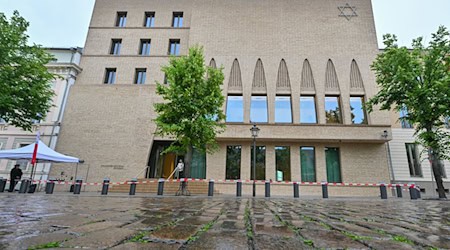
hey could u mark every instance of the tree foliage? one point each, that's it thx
(418, 80)
(192, 111)
(25, 90)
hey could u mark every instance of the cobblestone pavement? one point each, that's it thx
(120, 222)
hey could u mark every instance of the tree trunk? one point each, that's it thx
(436, 165)
(188, 161)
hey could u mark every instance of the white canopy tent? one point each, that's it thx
(44, 154)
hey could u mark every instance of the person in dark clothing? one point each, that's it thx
(15, 175)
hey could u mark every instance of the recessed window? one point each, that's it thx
(110, 76)
(121, 20)
(357, 109)
(233, 168)
(447, 122)
(140, 76)
(258, 109)
(283, 163)
(177, 20)
(144, 48)
(308, 109)
(116, 44)
(333, 165)
(235, 109)
(2, 121)
(332, 109)
(165, 80)
(403, 118)
(412, 152)
(260, 163)
(283, 111)
(149, 20)
(174, 47)
(308, 164)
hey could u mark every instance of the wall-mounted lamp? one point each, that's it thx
(385, 134)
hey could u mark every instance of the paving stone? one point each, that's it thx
(145, 246)
(264, 241)
(41, 239)
(220, 240)
(91, 227)
(101, 239)
(178, 232)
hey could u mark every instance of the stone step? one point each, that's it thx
(169, 187)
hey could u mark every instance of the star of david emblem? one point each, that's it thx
(347, 11)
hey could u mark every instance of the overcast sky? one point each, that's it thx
(64, 23)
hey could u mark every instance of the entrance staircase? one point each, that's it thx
(170, 188)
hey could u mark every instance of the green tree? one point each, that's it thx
(418, 80)
(25, 90)
(192, 111)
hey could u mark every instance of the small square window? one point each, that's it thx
(110, 76)
(140, 76)
(149, 20)
(121, 19)
(145, 47)
(177, 21)
(174, 47)
(116, 44)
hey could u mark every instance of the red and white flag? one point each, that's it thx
(33, 160)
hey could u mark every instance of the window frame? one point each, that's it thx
(315, 108)
(314, 179)
(338, 97)
(277, 167)
(290, 109)
(363, 101)
(149, 15)
(241, 111)
(121, 19)
(138, 79)
(108, 71)
(177, 44)
(177, 19)
(114, 50)
(413, 157)
(147, 43)
(267, 109)
(239, 164)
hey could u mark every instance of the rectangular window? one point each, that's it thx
(358, 110)
(333, 165)
(412, 152)
(308, 164)
(283, 163)
(121, 19)
(283, 111)
(235, 109)
(140, 76)
(144, 48)
(174, 47)
(403, 115)
(116, 44)
(177, 20)
(149, 20)
(2, 121)
(442, 166)
(308, 109)
(260, 162)
(110, 76)
(198, 165)
(258, 109)
(233, 168)
(332, 109)
(447, 122)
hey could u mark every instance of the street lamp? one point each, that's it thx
(255, 131)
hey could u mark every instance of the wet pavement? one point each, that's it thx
(35, 221)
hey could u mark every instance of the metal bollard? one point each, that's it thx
(50, 187)
(2, 185)
(133, 186)
(399, 191)
(296, 190)
(105, 186)
(77, 187)
(324, 190)
(211, 188)
(161, 186)
(239, 188)
(412, 192)
(24, 186)
(383, 191)
(267, 184)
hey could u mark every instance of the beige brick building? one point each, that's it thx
(299, 69)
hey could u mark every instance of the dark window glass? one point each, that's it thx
(149, 20)
(141, 74)
(333, 165)
(260, 162)
(235, 109)
(308, 109)
(145, 47)
(283, 111)
(258, 109)
(283, 163)
(357, 109)
(116, 44)
(174, 47)
(403, 115)
(308, 164)
(233, 168)
(447, 122)
(198, 165)
(412, 152)
(177, 20)
(332, 109)
(110, 76)
(121, 20)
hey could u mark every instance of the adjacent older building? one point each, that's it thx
(66, 65)
(299, 69)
